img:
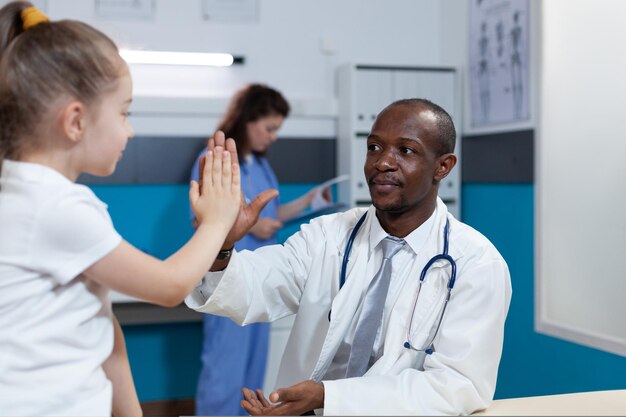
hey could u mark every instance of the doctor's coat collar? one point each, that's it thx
(415, 240)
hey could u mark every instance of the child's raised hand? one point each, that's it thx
(216, 198)
(246, 214)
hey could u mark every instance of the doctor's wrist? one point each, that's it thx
(222, 259)
(224, 254)
(319, 395)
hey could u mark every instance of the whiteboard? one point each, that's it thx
(580, 203)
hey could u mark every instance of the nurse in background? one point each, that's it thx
(233, 356)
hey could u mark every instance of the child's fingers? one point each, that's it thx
(236, 175)
(207, 168)
(226, 170)
(218, 157)
(231, 147)
(210, 144)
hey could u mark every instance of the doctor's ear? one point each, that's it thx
(444, 165)
(73, 121)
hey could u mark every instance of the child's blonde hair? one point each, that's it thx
(44, 62)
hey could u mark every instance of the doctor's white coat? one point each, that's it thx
(302, 278)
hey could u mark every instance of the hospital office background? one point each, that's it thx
(511, 184)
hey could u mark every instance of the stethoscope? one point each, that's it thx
(429, 346)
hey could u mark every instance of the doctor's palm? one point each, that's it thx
(248, 213)
(248, 216)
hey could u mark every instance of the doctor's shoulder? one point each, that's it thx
(471, 245)
(481, 269)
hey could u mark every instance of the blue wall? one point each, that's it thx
(532, 364)
(165, 358)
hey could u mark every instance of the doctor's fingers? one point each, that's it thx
(201, 164)
(251, 403)
(210, 144)
(219, 138)
(231, 146)
(250, 409)
(284, 395)
(261, 200)
(251, 397)
(273, 410)
(262, 399)
(303, 396)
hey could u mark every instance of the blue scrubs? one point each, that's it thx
(234, 357)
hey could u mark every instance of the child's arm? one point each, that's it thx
(216, 205)
(117, 369)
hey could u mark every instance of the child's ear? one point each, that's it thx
(74, 121)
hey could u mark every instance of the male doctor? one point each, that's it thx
(369, 346)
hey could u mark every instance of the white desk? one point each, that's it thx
(599, 403)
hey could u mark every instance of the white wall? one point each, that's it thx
(282, 48)
(581, 176)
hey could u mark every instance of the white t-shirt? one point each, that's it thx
(55, 325)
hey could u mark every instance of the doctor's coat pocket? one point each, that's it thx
(404, 359)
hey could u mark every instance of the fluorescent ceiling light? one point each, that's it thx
(177, 58)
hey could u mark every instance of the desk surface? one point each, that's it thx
(598, 403)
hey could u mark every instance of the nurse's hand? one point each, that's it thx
(293, 401)
(327, 195)
(266, 228)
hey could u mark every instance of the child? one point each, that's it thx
(64, 98)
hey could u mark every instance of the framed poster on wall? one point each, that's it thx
(499, 67)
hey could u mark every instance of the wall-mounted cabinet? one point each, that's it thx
(363, 92)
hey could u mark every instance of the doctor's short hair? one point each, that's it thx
(445, 125)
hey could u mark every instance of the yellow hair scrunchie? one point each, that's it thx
(32, 16)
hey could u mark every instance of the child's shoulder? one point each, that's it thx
(33, 190)
(74, 200)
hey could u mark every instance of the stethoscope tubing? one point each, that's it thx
(346, 255)
(429, 349)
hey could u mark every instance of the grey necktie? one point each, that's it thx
(372, 312)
